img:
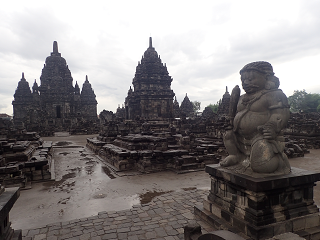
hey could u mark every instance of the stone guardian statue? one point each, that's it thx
(254, 142)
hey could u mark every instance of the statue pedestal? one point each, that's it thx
(8, 197)
(262, 207)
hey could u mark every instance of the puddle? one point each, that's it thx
(100, 195)
(86, 158)
(148, 196)
(77, 169)
(68, 175)
(64, 143)
(189, 188)
(89, 170)
(64, 201)
(64, 153)
(48, 185)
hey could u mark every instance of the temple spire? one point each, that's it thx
(55, 51)
(22, 76)
(87, 79)
(150, 42)
(55, 47)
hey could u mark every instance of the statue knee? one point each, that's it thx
(263, 158)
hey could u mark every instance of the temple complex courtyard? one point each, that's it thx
(86, 186)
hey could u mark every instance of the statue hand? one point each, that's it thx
(268, 131)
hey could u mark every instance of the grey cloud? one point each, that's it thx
(28, 33)
(280, 44)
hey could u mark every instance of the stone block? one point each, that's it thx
(225, 215)
(262, 207)
(299, 224)
(260, 233)
(312, 221)
(239, 223)
(207, 205)
(216, 210)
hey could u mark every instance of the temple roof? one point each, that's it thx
(23, 89)
(151, 67)
(186, 105)
(77, 89)
(35, 87)
(56, 75)
(226, 94)
(87, 93)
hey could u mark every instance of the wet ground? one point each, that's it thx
(84, 186)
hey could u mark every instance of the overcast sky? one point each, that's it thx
(203, 43)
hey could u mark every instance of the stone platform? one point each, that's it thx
(163, 218)
(148, 153)
(8, 197)
(262, 207)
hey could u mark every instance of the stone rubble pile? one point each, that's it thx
(24, 156)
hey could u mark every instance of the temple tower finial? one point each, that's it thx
(226, 89)
(87, 78)
(55, 47)
(150, 42)
(22, 75)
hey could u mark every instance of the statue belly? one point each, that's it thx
(250, 121)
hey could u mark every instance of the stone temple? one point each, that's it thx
(55, 105)
(151, 96)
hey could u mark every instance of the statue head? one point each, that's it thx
(257, 76)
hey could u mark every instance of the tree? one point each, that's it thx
(214, 107)
(196, 106)
(301, 101)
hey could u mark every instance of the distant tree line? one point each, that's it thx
(214, 107)
(299, 101)
(196, 106)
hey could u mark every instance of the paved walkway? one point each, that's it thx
(163, 218)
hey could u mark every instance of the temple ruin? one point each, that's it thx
(55, 105)
(186, 107)
(146, 137)
(151, 96)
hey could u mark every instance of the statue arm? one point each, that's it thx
(279, 116)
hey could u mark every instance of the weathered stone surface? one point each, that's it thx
(24, 156)
(208, 113)
(155, 145)
(264, 206)
(255, 142)
(8, 197)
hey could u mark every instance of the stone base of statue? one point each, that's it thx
(262, 207)
(8, 196)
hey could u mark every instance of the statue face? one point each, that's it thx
(253, 81)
